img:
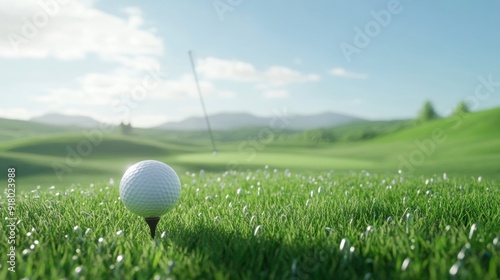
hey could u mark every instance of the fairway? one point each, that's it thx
(281, 160)
(267, 224)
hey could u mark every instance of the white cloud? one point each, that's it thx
(341, 72)
(71, 31)
(16, 113)
(146, 121)
(226, 95)
(276, 94)
(239, 71)
(108, 88)
(357, 101)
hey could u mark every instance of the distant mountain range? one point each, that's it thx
(222, 122)
(66, 120)
(228, 121)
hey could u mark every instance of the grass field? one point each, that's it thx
(266, 224)
(280, 207)
(469, 146)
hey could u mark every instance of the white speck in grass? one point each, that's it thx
(308, 202)
(78, 269)
(28, 234)
(320, 189)
(409, 222)
(227, 196)
(74, 257)
(369, 229)
(171, 265)
(405, 199)
(136, 268)
(238, 191)
(76, 228)
(208, 197)
(36, 242)
(111, 181)
(87, 231)
(251, 219)
(256, 231)
(328, 229)
(352, 250)
(78, 251)
(258, 191)
(163, 234)
(101, 240)
(66, 236)
(119, 258)
(312, 194)
(245, 209)
(473, 229)
(217, 218)
(346, 193)
(405, 264)
(52, 187)
(26, 251)
(57, 194)
(119, 232)
(345, 245)
(479, 179)
(455, 268)
(294, 266)
(496, 241)
(111, 267)
(32, 246)
(230, 205)
(428, 192)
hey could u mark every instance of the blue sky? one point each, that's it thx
(91, 57)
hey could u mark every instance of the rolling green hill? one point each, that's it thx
(16, 129)
(465, 146)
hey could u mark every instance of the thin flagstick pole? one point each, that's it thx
(202, 103)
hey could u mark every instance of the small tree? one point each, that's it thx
(462, 108)
(427, 112)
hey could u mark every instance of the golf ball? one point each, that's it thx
(150, 188)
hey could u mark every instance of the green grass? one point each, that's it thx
(265, 224)
(471, 148)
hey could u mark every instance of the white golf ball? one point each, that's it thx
(150, 188)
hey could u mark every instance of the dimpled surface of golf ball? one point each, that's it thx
(150, 188)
